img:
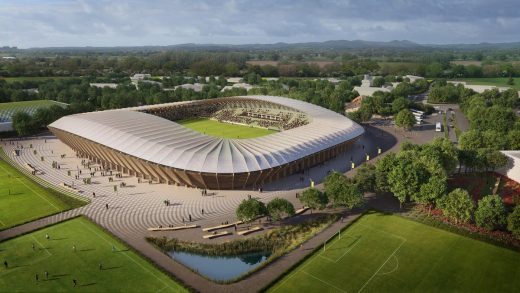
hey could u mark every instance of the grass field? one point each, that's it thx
(8, 109)
(225, 130)
(122, 269)
(33, 78)
(496, 81)
(23, 200)
(384, 253)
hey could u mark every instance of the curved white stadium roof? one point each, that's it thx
(167, 143)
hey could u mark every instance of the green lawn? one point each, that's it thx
(8, 109)
(22, 200)
(122, 269)
(225, 130)
(33, 78)
(384, 253)
(496, 81)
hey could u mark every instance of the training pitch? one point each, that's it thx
(224, 130)
(122, 270)
(383, 253)
(22, 200)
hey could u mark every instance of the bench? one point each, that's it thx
(301, 211)
(249, 231)
(67, 186)
(172, 228)
(215, 235)
(209, 229)
(30, 167)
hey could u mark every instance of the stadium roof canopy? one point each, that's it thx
(167, 143)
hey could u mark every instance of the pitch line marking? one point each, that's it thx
(345, 253)
(31, 189)
(395, 268)
(326, 283)
(100, 236)
(393, 253)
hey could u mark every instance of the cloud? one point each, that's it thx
(36, 23)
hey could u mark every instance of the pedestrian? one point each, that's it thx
(74, 247)
(74, 282)
(190, 217)
(47, 236)
(203, 211)
(183, 219)
(46, 275)
(113, 248)
(5, 264)
(235, 227)
(32, 246)
(36, 277)
(94, 194)
(100, 266)
(106, 206)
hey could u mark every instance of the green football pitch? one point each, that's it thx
(224, 130)
(22, 200)
(384, 253)
(122, 269)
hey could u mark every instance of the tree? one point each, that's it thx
(383, 168)
(406, 178)
(250, 209)
(333, 183)
(365, 178)
(349, 196)
(405, 119)
(313, 199)
(279, 208)
(490, 212)
(400, 104)
(511, 81)
(513, 222)
(433, 191)
(378, 82)
(457, 205)
(23, 123)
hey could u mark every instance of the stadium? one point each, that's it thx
(160, 142)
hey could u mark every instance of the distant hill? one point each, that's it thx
(327, 45)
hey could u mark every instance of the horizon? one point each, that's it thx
(103, 23)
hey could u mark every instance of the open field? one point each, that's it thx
(122, 269)
(496, 81)
(224, 130)
(33, 78)
(385, 253)
(8, 109)
(22, 200)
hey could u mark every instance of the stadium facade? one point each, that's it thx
(147, 142)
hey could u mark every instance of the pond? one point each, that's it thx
(220, 268)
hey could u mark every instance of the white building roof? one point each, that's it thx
(196, 86)
(102, 85)
(237, 85)
(369, 91)
(167, 143)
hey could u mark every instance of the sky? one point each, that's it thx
(55, 23)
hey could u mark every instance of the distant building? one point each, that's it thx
(479, 88)
(238, 85)
(234, 79)
(9, 58)
(413, 78)
(196, 86)
(103, 85)
(366, 89)
(140, 77)
(354, 104)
